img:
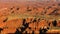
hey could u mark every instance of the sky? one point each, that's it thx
(26, 0)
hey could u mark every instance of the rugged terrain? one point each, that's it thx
(29, 17)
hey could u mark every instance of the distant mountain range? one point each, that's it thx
(31, 7)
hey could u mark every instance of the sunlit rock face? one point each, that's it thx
(29, 16)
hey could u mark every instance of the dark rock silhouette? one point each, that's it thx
(18, 32)
(43, 31)
(1, 30)
(54, 23)
(5, 20)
